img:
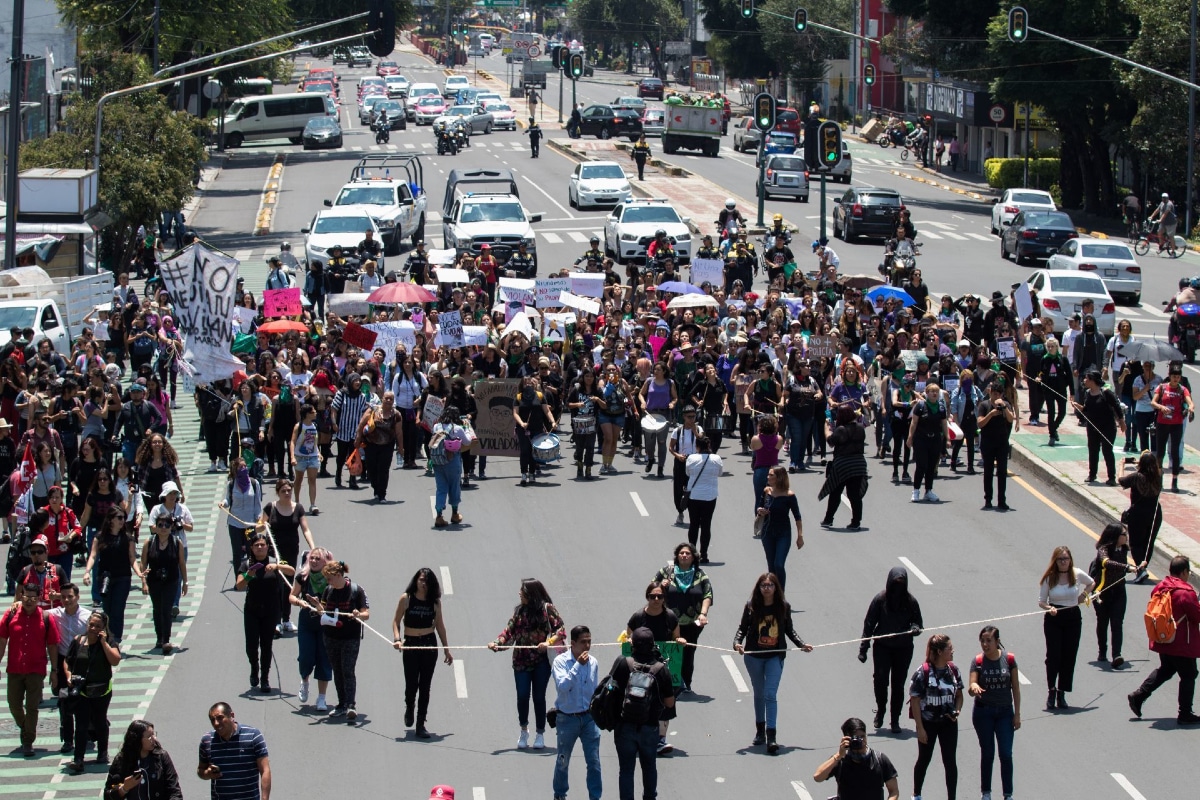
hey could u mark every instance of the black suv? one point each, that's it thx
(605, 122)
(866, 211)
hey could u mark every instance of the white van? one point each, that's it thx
(274, 116)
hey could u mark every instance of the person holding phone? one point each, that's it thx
(142, 762)
(234, 757)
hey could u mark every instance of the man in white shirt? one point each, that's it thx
(681, 444)
(1071, 334)
(71, 621)
(370, 280)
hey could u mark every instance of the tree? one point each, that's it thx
(592, 21)
(736, 43)
(804, 56)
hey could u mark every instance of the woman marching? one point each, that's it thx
(777, 502)
(446, 447)
(583, 400)
(258, 577)
(1102, 414)
(935, 700)
(346, 604)
(996, 688)
(163, 566)
(703, 469)
(91, 659)
(1063, 588)
(532, 417)
(418, 617)
(142, 766)
(1144, 515)
(688, 594)
(766, 620)
(927, 436)
(848, 470)
(1112, 564)
(311, 653)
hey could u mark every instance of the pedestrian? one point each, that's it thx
(689, 596)
(234, 757)
(702, 470)
(893, 621)
(349, 407)
(259, 577)
(848, 469)
(1055, 379)
(1144, 516)
(766, 621)
(114, 555)
(1144, 415)
(71, 621)
(964, 402)
(446, 447)
(683, 444)
(1086, 349)
(583, 400)
(777, 502)
(576, 675)
(30, 637)
(310, 642)
(935, 700)
(534, 132)
(1178, 656)
(955, 149)
(663, 622)
(996, 419)
(381, 431)
(861, 773)
(1063, 588)
(1111, 565)
(640, 153)
(48, 578)
(531, 418)
(344, 608)
(286, 521)
(534, 627)
(904, 396)
(766, 445)
(163, 568)
(142, 761)
(939, 150)
(800, 397)
(645, 682)
(1101, 411)
(417, 619)
(243, 503)
(615, 393)
(88, 668)
(182, 523)
(304, 456)
(533, 102)
(656, 400)
(927, 436)
(996, 687)
(1173, 403)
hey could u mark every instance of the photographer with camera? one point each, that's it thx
(88, 669)
(142, 766)
(861, 773)
(163, 565)
(996, 419)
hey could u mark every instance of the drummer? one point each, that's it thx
(532, 417)
(658, 398)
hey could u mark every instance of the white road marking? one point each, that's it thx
(447, 585)
(548, 197)
(944, 225)
(1021, 679)
(983, 237)
(551, 238)
(242, 255)
(913, 569)
(738, 680)
(433, 504)
(460, 679)
(801, 790)
(929, 235)
(477, 793)
(637, 501)
(410, 146)
(578, 237)
(1124, 783)
(356, 149)
(957, 236)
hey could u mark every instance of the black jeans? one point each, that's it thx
(525, 444)
(259, 626)
(379, 467)
(1062, 632)
(891, 672)
(969, 435)
(1056, 410)
(854, 492)
(1169, 667)
(945, 734)
(1165, 435)
(679, 483)
(691, 632)
(585, 448)
(216, 439)
(277, 454)
(90, 716)
(1110, 615)
(412, 438)
(1142, 533)
(344, 449)
(927, 451)
(418, 674)
(995, 463)
(1036, 397)
(700, 514)
(641, 168)
(162, 597)
(1101, 442)
(900, 442)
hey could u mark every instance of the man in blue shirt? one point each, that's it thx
(576, 675)
(234, 757)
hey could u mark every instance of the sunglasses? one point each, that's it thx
(37, 552)
(654, 597)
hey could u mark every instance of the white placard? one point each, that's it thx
(451, 328)
(441, 258)
(389, 334)
(475, 335)
(1024, 301)
(347, 304)
(451, 275)
(520, 324)
(587, 284)
(563, 319)
(548, 290)
(573, 300)
(708, 269)
(201, 284)
(518, 290)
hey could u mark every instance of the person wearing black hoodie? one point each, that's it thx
(894, 613)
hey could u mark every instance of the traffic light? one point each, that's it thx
(1018, 24)
(869, 74)
(454, 28)
(747, 9)
(381, 24)
(801, 20)
(830, 137)
(764, 112)
(561, 58)
(576, 66)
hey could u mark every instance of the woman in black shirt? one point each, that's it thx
(1102, 414)
(583, 401)
(344, 608)
(258, 577)
(1112, 558)
(418, 617)
(532, 417)
(114, 557)
(927, 436)
(142, 762)
(88, 669)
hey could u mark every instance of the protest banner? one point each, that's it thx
(390, 334)
(1006, 349)
(434, 406)
(451, 328)
(518, 290)
(1024, 300)
(201, 283)
(573, 300)
(494, 400)
(587, 284)
(708, 269)
(359, 336)
(281, 303)
(475, 335)
(821, 347)
(547, 291)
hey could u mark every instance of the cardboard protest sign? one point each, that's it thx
(359, 336)
(475, 335)
(494, 400)
(821, 347)
(711, 270)
(434, 406)
(518, 290)
(281, 303)
(1006, 349)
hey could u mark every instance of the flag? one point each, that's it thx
(50, 88)
(23, 487)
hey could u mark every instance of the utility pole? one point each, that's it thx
(1191, 146)
(157, 16)
(17, 66)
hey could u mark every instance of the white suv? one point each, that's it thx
(454, 84)
(631, 226)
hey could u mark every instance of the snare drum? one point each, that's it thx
(653, 423)
(545, 448)
(715, 423)
(583, 424)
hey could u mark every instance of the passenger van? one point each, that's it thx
(277, 116)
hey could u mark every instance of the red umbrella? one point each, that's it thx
(400, 292)
(282, 326)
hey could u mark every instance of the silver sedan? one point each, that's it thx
(477, 118)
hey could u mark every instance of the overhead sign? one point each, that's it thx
(677, 48)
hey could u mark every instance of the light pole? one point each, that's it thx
(1191, 145)
(14, 135)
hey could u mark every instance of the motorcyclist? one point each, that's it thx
(1189, 293)
(522, 263)
(418, 264)
(285, 255)
(775, 257)
(370, 247)
(592, 258)
(899, 244)
(463, 135)
(337, 268)
(661, 247)
(383, 128)
(730, 212)
(904, 217)
(777, 229)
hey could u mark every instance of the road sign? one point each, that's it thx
(522, 43)
(534, 51)
(997, 113)
(212, 89)
(677, 48)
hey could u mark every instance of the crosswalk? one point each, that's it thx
(495, 145)
(946, 230)
(1144, 313)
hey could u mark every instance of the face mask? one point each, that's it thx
(966, 383)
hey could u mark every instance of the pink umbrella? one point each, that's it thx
(400, 293)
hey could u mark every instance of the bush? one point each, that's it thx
(618, 64)
(1007, 173)
(1056, 194)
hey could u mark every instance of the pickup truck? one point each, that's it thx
(692, 128)
(482, 207)
(392, 189)
(53, 307)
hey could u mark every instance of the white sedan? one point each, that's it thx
(1112, 261)
(1061, 293)
(631, 227)
(1014, 201)
(340, 225)
(595, 183)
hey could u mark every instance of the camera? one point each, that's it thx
(857, 742)
(75, 686)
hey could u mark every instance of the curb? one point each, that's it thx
(947, 187)
(270, 197)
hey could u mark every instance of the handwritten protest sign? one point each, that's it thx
(475, 335)
(451, 328)
(359, 336)
(494, 400)
(1006, 349)
(708, 269)
(518, 290)
(587, 284)
(547, 291)
(910, 358)
(347, 304)
(201, 284)
(281, 303)
(434, 406)
(390, 334)
(821, 347)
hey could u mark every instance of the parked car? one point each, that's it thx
(503, 116)
(746, 137)
(322, 132)
(786, 175)
(1014, 201)
(1113, 261)
(654, 121)
(596, 183)
(1061, 294)
(605, 122)
(651, 87)
(866, 211)
(1036, 234)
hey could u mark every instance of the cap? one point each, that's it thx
(42, 540)
(1175, 369)
(642, 639)
(168, 487)
(485, 247)
(441, 793)
(964, 343)
(1037, 323)
(137, 387)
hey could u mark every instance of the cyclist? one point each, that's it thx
(592, 259)
(1131, 208)
(1165, 216)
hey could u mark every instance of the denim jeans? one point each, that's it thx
(637, 744)
(533, 681)
(799, 432)
(765, 674)
(582, 728)
(994, 725)
(760, 483)
(310, 652)
(113, 604)
(777, 546)
(449, 484)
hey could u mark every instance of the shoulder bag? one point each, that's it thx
(687, 493)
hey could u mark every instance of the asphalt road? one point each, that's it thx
(595, 545)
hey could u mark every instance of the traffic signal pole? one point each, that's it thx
(823, 171)
(762, 180)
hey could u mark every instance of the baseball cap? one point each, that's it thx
(40, 540)
(441, 793)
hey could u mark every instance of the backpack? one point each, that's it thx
(1160, 621)
(641, 691)
(605, 706)
(1009, 657)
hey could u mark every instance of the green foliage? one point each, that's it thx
(951, 36)
(804, 56)
(1008, 173)
(736, 43)
(630, 22)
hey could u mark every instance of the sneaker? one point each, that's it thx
(303, 694)
(988, 795)
(930, 497)
(321, 704)
(524, 479)
(338, 711)
(222, 466)
(664, 746)
(174, 612)
(679, 518)
(539, 741)
(351, 714)
(1187, 719)
(916, 495)
(523, 740)
(289, 626)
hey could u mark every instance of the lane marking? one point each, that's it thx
(1124, 783)
(913, 569)
(1021, 679)
(460, 679)
(551, 238)
(447, 584)
(801, 790)
(477, 793)
(981, 237)
(738, 681)
(957, 236)
(930, 235)
(548, 197)
(637, 501)
(433, 505)
(578, 237)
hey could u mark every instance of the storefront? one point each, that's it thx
(983, 127)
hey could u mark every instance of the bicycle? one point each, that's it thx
(1134, 230)
(1150, 235)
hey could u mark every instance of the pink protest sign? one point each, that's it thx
(281, 303)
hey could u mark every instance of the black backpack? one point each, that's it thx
(641, 692)
(605, 706)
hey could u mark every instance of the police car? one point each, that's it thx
(631, 226)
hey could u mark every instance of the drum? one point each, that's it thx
(716, 423)
(545, 448)
(583, 424)
(653, 423)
